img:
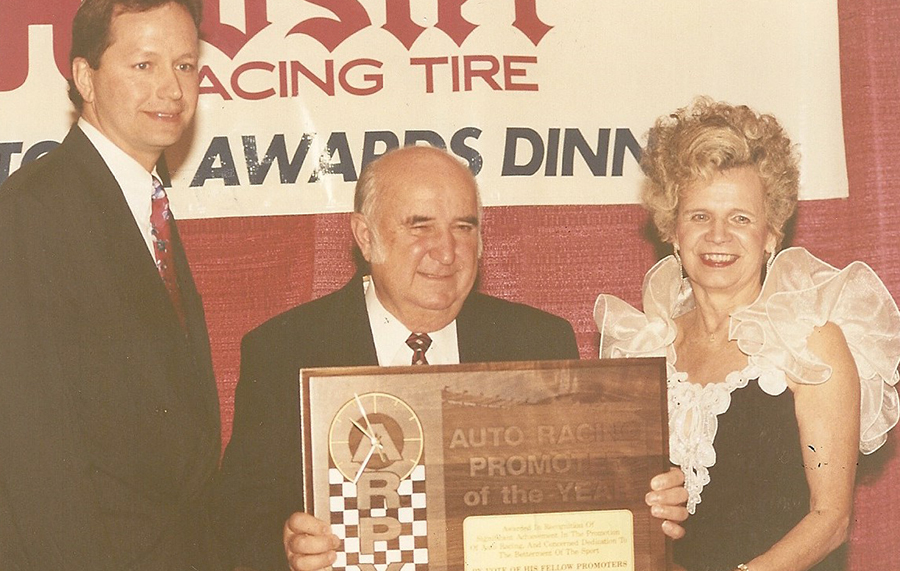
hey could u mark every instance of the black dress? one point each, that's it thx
(757, 490)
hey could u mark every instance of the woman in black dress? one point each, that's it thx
(780, 367)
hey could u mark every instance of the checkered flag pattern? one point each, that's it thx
(410, 548)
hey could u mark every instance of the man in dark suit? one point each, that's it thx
(109, 422)
(417, 224)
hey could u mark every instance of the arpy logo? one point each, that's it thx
(350, 17)
(377, 498)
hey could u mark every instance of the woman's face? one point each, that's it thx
(722, 234)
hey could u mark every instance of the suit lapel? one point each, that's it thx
(124, 257)
(352, 328)
(116, 236)
(470, 333)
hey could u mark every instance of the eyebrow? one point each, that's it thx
(146, 53)
(704, 209)
(419, 219)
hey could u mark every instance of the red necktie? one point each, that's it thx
(419, 343)
(161, 227)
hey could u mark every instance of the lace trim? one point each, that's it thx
(693, 422)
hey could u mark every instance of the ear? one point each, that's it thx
(771, 243)
(362, 235)
(83, 76)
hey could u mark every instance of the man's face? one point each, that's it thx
(424, 249)
(144, 93)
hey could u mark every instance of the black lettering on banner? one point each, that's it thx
(525, 150)
(337, 146)
(219, 151)
(513, 136)
(460, 148)
(288, 169)
(7, 150)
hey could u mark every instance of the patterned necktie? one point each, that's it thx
(161, 227)
(419, 343)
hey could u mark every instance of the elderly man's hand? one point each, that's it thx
(667, 499)
(309, 543)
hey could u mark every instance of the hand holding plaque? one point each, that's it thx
(530, 466)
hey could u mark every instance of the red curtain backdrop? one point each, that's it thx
(560, 258)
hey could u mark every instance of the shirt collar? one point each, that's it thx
(390, 335)
(134, 180)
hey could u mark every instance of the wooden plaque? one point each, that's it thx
(531, 466)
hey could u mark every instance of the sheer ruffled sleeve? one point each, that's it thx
(802, 292)
(627, 332)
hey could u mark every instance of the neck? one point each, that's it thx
(425, 322)
(417, 319)
(146, 160)
(714, 310)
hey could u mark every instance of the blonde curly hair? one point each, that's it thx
(707, 138)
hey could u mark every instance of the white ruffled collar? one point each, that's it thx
(800, 293)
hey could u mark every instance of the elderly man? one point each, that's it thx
(417, 223)
(109, 422)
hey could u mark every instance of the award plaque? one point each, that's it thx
(531, 466)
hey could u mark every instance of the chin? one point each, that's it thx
(724, 284)
(441, 302)
(168, 139)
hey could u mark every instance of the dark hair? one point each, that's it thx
(90, 29)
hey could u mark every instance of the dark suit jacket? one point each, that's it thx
(261, 476)
(109, 424)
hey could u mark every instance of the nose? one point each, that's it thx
(718, 232)
(443, 248)
(169, 84)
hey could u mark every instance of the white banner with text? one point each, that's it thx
(547, 100)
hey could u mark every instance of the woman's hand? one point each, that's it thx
(667, 498)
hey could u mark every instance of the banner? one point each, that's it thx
(547, 100)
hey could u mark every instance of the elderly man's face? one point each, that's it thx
(424, 248)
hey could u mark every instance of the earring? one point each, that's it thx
(677, 255)
(770, 261)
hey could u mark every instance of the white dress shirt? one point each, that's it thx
(134, 180)
(390, 336)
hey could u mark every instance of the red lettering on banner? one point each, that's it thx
(251, 95)
(428, 63)
(472, 70)
(14, 22)
(509, 72)
(451, 22)
(215, 86)
(375, 80)
(352, 18)
(528, 23)
(326, 85)
(227, 38)
(356, 77)
(483, 67)
(400, 23)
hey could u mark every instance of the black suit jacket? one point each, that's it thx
(109, 423)
(261, 476)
